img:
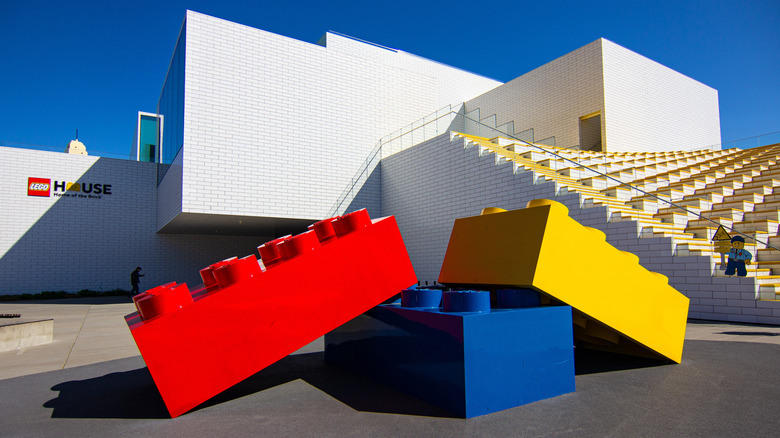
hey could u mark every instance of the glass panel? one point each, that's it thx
(171, 104)
(148, 139)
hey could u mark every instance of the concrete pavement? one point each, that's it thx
(91, 382)
(93, 330)
(86, 331)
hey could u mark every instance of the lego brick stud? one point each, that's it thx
(631, 256)
(324, 230)
(269, 251)
(555, 206)
(147, 293)
(351, 222)
(298, 245)
(491, 210)
(162, 300)
(237, 270)
(663, 278)
(421, 298)
(466, 301)
(597, 232)
(207, 274)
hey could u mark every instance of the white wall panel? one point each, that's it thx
(650, 107)
(551, 98)
(292, 121)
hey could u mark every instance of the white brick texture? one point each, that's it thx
(277, 127)
(644, 105)
(57, 243)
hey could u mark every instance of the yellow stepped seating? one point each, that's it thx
(724, 186)
(619, 305)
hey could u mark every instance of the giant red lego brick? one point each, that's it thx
(243, 319)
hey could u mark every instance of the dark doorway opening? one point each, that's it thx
(590, 132)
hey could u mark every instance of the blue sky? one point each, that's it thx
(91, 65)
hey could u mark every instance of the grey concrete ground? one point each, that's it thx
(91, 382)
(86, 331)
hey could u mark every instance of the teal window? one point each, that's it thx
(148, 143)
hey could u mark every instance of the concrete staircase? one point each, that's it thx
(681, 195)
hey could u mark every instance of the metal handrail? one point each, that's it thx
(637, 189)
(378, 150)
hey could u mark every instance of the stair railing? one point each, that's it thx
(603, 158)
(446, 119)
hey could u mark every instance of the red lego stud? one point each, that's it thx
(146, 293)
(269, 251)
(207, 274)
(163, 299)
(351, 222)
(237, 270)
(297, 245)
(324, 230)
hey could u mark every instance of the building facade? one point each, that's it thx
(264, 134)
(293, 121)
(604, 97)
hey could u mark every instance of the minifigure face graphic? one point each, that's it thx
(737, 244)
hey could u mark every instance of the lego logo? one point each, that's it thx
(38, 187)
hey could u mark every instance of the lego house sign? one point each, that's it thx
(46, 187)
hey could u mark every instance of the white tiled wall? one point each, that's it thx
(644, 105)
(292, 121)
(650, 107)
(551, 98)
(49, 243)
(169, 191)
(430, 185)
(453, 86)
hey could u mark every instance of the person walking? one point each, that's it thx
(135, 280)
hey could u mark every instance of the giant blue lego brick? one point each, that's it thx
(470, 364)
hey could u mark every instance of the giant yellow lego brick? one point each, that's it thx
(618, 305)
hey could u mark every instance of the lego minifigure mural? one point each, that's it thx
(738, 257)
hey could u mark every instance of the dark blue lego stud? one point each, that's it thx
(421, 298)
(517, 298)
(466, 301)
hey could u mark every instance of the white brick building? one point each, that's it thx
(605, 97)
(264, 133)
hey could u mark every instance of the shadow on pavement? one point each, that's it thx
(128, 394)
(593, 362)
(750, 333)
(133, 394)
(357, 392)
